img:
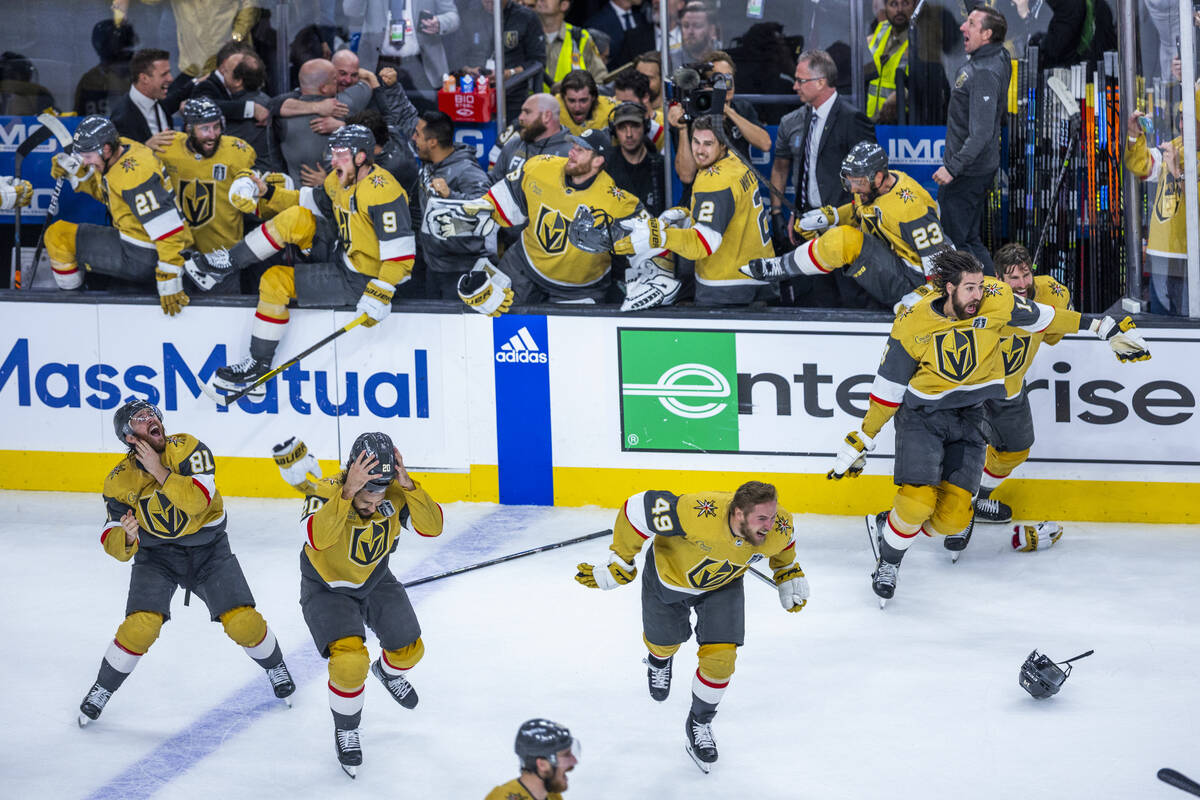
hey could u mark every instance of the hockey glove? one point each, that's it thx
(1120, 336)
(376, 301)
(450, 218)
(793, 587)
(851, 456)
(617, 574)
(14, 193)
(486, 289)
(69, 167)
(1027, 538)
(645, 234)
(171, 296)
(656, 287)
(675, 217)
(295, 462)
(912, 298)
(243, 194)
(817, 220)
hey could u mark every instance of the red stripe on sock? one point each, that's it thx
(265, 318)
(710, 684)
(383, 655)
(267, 236)
(992, 474)
(899, 533)
(341, 693)
(126, 649)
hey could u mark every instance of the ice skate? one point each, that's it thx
(233, 378)
(207, 269)
(281, 682)
(398, 687)
(349, 750)
(992, 511)
(658, 678)
(93, 704)
(958, 542)
(700, 744)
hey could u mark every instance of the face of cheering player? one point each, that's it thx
(531, 121)
(631, 136)
(965, 296)
(706, 149)
(99, 160)
(147, 427)
(755, 525)
(579, 104)
(1020, 278)
(555, 780)
(583, 163)
(205, 137)
(974, 36)
(345, 163)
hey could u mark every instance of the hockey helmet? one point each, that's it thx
(1042, 677)
(95, 132)
(864, 160)
(357, 138)
(199, 110)
(122, 419)
(541, 738)
(379, 446)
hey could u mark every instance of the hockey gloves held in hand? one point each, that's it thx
(243, 194)
(486, 289)
(295, 462)
(645, 234)
(171, 296)
(817, 220)
(69, 167)
(1027, 538)
(618, 573)
(450, 218)
(851, 456)
(376, 301)
(1120, 336)
(14, 193)
(793, 587)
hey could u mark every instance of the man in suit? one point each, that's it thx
(221, 85)
(813, 140)
(630, 32)
(145, 111)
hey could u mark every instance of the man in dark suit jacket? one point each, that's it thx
(630, 31)
(222, 84)
(146, 109)
(812, 142)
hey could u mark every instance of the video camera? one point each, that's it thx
(699, 90)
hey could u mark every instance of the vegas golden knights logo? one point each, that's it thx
(1014, 351)
(369, 544)
(956, 353)
(551, 230)
(196, 197)
(343, 224)
(164, 519)
(710, 574)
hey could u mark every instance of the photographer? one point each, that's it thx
(741, 120)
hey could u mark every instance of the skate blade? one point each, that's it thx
(704, 766)
(954, 554)
(882, 603)
(287, 701)
(349, 770)
(83, 720)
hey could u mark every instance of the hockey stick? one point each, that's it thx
(230, 399)
(762, 577)
(1179, 781)
(31, 143)
(509, 557)
(1072, 108)
(66, 141)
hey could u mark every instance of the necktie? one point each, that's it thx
(161, 118)
(628, 20)
(802, 187)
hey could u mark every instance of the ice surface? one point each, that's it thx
(839, 701)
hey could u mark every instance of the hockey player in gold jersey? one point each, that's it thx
(165, 513)
(884, 238)
(147, 236)
(546, 752)
(350, 525)
(358, 226)
(582, 107)
(941, 363)
(702, 544)
(727, 225)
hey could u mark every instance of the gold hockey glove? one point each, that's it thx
(376, 301)
(295, 462)
(171, 296)
(244, 194)
(14, 193)
(1120, 336)
(793, 587)
(617, 574)
(851, 456)
(486, 289)
(1027, 538)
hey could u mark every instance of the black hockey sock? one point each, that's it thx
(241, 256)
(702, 711)
(273, 660)
(656, 662)
(346, 722)
(889, 553)
(262, 349)
(109, 677)
(984, 493)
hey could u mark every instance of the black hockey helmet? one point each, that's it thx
(1041, 677)
(864, 160)
(541, 738)
(379, 445)
(124, 414)
(95, 132)
(357, 138)
(198, 110)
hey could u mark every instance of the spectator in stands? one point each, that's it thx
(650, 65)
(1079, 30)
(245, 83)
(102, 85)
(741, 121)
(145, 112)
(538, 132)
(411, 31)
(448, 170)
(674, 33)
(629, 30)
(524, 48)
(202, 27)
(634, 87)
(583, 106)
(636, 166)
(20, 93)
(698, 27)
(568, 47)
(220, 87)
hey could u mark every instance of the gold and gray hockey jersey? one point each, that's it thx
(1018, 347)
(1168, 214)
(202, 188)
(140, 198)
(515, 790)
(932, 361)
(598, 119)
(905, 218)
(186, 510)
(537, 192)
(349, 553)
(694, 550)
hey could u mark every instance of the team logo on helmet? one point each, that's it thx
(1014, 351)
(956, 355)
(710, 573)
(197, 199)
(164, 518)
(368, 544)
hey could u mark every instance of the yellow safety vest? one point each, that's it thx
(879, 89)
(570, 55)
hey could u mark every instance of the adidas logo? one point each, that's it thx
(521, 349)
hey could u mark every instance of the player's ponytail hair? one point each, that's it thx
(750, 494)
(950, 265)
